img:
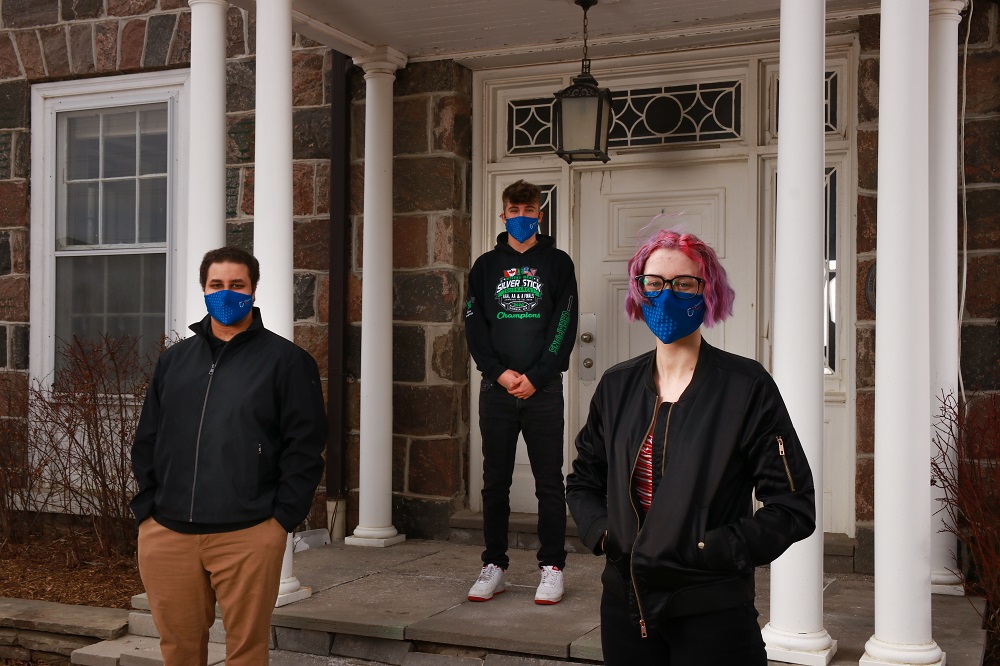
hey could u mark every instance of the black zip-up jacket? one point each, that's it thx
(522, 311)
(234, 441)
(696, 548)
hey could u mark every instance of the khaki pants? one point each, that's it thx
(184, 575)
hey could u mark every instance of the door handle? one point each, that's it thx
(587, 338)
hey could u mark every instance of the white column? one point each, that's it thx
(902, 349)
(795, 632)
(375, 503)
(943, 190)
(272, 207)
(272, 219)
(206, 218)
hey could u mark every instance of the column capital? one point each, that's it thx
(947, 8)
(383, 60)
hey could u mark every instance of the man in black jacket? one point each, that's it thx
(227, 456)
(520, 325)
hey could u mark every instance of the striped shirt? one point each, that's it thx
(644, 473)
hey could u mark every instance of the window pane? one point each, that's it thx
(124, 293)
(82, 147)
(119, 212)
(81, 223)
(119, 144)
(153, 210)
(153, 141)
(111, 295)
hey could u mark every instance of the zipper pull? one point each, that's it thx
(642, 628)
(788, 470)
(211, 371)
(258, 448)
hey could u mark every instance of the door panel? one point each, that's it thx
(615, 208)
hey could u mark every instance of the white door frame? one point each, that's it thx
(756, 65)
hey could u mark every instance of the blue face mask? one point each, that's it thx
(522, 228)
(228, 307)
(671, 318)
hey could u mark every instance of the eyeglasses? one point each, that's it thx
(683, 286)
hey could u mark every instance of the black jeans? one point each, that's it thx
(729, 637)
(540, 419)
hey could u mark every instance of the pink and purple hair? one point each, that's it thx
(719, 296)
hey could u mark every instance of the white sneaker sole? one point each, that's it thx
(495, 593)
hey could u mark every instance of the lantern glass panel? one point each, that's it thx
(579, 122)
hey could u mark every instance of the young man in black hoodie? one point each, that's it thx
(520, 324)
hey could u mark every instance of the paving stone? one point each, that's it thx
(284, 658)
(587, 646)
(307, 641)
(44, 641)
(373, 649)
(103, 623)
(107, 653)
(141, 624)
(511, 660)
(153, 657)
(428, 659)
(513, 622)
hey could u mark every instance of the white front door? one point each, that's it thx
(615, 207)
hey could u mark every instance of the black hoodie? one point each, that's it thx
(522, 311)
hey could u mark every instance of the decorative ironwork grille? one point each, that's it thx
(689, 113)
(830, 102)
(530, 126)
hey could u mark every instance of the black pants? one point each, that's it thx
(540, 420)
(728, 637)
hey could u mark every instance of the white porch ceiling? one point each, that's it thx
(486, 33)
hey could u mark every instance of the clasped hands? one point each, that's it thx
(517, 385)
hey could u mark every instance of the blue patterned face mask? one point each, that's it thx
(228, 307)
(671, 318)
(521, 227)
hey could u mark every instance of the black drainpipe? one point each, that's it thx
(340, 230)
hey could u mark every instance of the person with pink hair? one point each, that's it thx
(677, 443)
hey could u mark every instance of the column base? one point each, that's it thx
(291, 597)
(810, 649)
(375, 542)
(946, 581)
(880, 653)
(949, 590)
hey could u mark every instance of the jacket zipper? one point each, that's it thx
(788, 471)
(201, 423)
(638, 521)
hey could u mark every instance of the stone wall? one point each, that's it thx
(431, 257)
(53, 40)
(980, 360)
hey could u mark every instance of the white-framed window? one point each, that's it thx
(108, 168)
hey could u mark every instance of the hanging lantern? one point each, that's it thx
(583, 111)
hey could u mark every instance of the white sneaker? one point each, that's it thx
(550, 590)
(490, 582)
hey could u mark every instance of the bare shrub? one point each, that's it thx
(967, 467)
(69, 443)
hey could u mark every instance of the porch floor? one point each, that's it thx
(414, 594)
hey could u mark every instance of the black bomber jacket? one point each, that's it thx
(232, 441)
(727, 435)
